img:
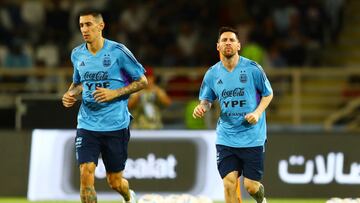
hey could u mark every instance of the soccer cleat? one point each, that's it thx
(264, 200)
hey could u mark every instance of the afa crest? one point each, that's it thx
(243, 77)
(106, 60)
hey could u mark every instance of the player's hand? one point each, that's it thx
(104, 94)
(252, 118)
(69, 99)
(199, 111)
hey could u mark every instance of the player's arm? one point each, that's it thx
(254, 116)
(134, 100)
(69, 98)
(105, 95)
(163, 98)
(135, 86)
(201, 109)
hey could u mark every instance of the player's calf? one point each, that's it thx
(259, 196)
(88, 194)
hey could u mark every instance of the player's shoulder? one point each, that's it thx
(78, 49)
(119, 48)
(113, 45)
(77, 52)
(250, 64)
(214, 68)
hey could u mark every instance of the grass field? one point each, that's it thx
(23, 200)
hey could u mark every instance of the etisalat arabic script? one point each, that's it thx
(326, 172)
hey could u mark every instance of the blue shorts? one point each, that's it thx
(112, 145)
(249, 162)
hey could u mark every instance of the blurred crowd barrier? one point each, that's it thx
(326, 97)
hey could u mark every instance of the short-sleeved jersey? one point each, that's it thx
(238, 92)
(112, 67)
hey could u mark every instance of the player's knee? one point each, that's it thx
(230, 184)
(251, 186)
(87, 172)
(116, 182)
(251, 189)
(114, 185)
(87, 169)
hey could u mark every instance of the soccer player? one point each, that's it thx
(244, 92)
(105, 73)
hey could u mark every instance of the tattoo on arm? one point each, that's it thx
(75, 89)
(206, 104)
(133, 87)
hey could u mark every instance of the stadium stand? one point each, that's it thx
(346, 50)
(302, 62)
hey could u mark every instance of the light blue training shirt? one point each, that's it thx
(113, 67)
(238, 92)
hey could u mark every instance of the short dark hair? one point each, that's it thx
(90, 11)
(228, 29)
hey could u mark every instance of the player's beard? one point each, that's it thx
(228, 54)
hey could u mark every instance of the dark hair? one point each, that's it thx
(90, 11)
(228, 29)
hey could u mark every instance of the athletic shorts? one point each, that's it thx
(112, 145)
(249, 162)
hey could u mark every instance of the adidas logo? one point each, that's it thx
(82, 63)
(219, 82)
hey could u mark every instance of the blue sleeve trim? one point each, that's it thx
(127, 52)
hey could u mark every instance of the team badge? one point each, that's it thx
(243, 77)
(106, 60)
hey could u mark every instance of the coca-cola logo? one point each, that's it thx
(232, 93)
(96, 76)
